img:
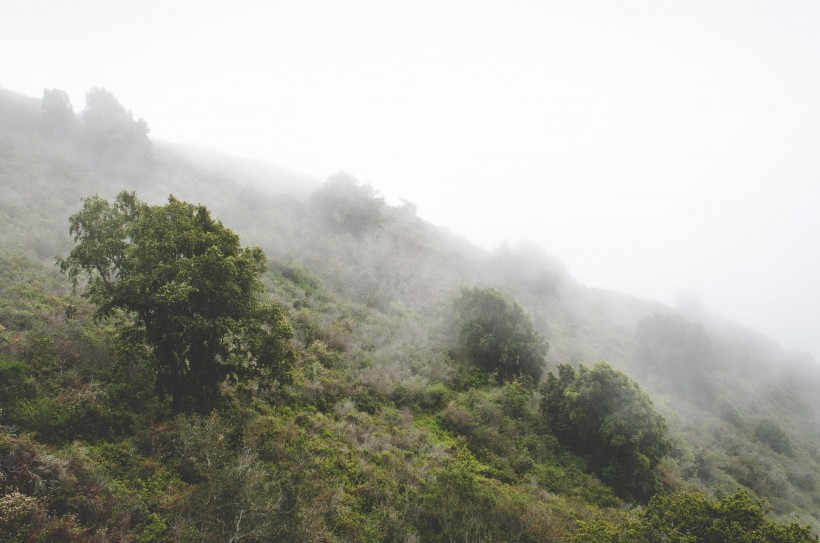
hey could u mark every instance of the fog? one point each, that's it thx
(653, 147)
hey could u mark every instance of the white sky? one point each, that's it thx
(650, 145)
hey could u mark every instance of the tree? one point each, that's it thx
(346, 206)
(59, 120)
(604, 416)
(497, 335)
(770, 433)
(185, 289)
(111, 135)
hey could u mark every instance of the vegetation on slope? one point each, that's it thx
(389, 428)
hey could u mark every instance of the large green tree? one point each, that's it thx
(604, 416)
(183, 287)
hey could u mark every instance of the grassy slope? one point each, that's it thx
(386, 440)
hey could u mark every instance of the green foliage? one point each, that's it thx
(694, 518)
(498, 427)
(771, 434)
(62, 419)
(434, 396)
(379, 436)
(497, 336)
(64, 496)
(232, 496)
(302, 278)
(16, 382)
(604, 416)
(186, 288)
(57, 372)
(516, 400)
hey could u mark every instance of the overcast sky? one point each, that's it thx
(652, 146)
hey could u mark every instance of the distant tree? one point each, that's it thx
(602, 415)
(59, 120)
(347, 206)
(186, 289)
(497, 335)
(772, 434)
(110, 133)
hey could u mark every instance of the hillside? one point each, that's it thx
(384, 432)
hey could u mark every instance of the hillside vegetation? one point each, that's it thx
(332, 368)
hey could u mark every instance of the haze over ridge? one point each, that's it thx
(650, 147)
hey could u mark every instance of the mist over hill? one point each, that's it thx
(383, 406)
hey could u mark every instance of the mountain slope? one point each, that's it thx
(377, 438)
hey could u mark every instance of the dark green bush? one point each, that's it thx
(16, 382)
(497, 336)
(602, 415)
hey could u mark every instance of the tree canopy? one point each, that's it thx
(185, 289)
(498, 336)
(604, 416)
(111, 135)
(345, 205)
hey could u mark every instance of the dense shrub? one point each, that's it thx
(604, 416)
(497, 335)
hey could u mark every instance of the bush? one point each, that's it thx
(16, 383)
(15, 512)
(604, 416)
(75, 414)
(232, 496)
(497, 336)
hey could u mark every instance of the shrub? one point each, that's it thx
(604, 416)
(497, 336)
(15, 512)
